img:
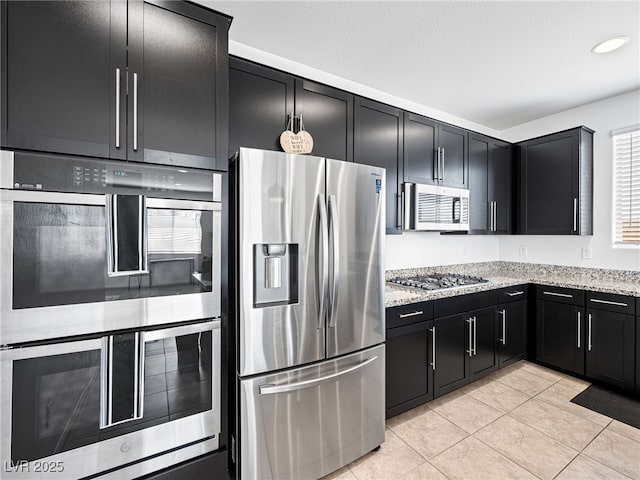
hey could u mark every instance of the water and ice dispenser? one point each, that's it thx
(275, 274)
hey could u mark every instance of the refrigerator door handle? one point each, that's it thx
(269, 389)
(323, 237)
(335, 236)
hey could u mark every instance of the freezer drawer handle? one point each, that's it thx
(269, 389)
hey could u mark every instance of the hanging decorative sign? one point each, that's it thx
(301, 142)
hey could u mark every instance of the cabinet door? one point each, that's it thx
(59, 70)
(177, 102)
(638, 347)
(610, 347)
(499, 185)
(484, 355)
(560, 335)
(409, 377)
(512, 328)
(453, 148)
(260, 102)
(451, 368)
(419, 149)
(327, 114)
(549, 180)
(378, 142)
(479, 208)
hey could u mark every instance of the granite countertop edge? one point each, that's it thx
(397, 295)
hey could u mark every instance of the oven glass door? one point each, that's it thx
(62, 252)
(73, 402)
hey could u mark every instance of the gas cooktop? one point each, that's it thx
(438, 281)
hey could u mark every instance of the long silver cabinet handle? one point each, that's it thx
(117, 108)
(589, 332)
(400, 212)
(608, 302)
(135, 112)
(516, 293)
(323, 234)
(433, 347)
(442, 164)
(495, 216)
(270, 389)
(578, 330)
(335, 235)
(564, 295)
(436, 165)
(412, 314)
(503, 314)
(470, 322)
(475, 331)
(575, 214)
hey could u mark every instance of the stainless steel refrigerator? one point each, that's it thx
(310, 313)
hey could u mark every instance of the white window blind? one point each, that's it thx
(174, 231)
(626, 207)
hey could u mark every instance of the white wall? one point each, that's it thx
(603, 117)
(425, 249)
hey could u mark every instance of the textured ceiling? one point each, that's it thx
(495, 63)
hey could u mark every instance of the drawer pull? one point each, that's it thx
(565, 295)
(608, 302)
(412, 314)
(515, 294)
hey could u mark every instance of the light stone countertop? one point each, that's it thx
(506, 274)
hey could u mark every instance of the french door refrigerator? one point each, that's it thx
(310, 313)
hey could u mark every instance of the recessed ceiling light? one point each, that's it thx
(610, 45)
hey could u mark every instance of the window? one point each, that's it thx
(626, 190)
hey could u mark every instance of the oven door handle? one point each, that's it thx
(114, 247)
(36, 196)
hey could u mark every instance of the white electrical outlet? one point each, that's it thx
(522, 250)
(587, 253)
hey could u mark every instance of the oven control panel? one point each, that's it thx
(53, 173)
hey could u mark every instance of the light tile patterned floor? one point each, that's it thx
(516, 423)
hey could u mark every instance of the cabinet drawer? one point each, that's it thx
(443, 307)
(409, 314)
(560, 295)
(513, 294)
(611, 302)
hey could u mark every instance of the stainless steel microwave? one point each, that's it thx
(90, 245)
(435, 208)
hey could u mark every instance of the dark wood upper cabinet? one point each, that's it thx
(378, 131)
(434, 153)
(490, 183)
(452, 142)
(556, 183)
(142, 81)
(327, 114)
(420, 139)
(261, 100)
(58, 76)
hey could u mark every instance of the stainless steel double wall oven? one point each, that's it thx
(110, 316)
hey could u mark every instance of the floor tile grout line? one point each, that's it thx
(598, 461)
(623, 434)
(505, 456)
(549, 436)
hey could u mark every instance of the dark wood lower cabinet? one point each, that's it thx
(512, 332)
(409, 374)
(451, 368)
(610, 348)
(560, 335)
(483, 357)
